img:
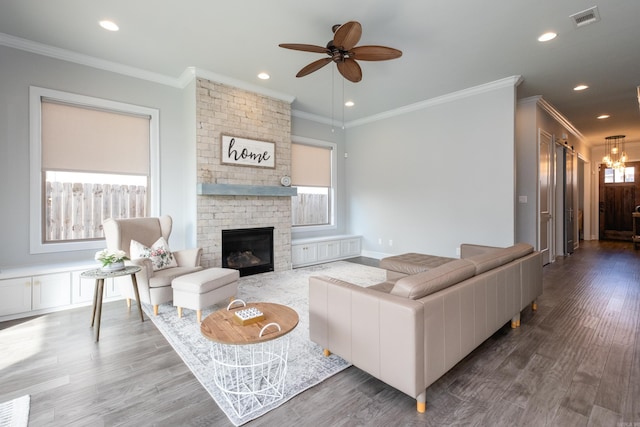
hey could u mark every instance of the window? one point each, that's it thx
(612, 175)
(91, 159)
(313, 174)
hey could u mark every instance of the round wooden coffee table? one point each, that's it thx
(250, 361)
(222, 328)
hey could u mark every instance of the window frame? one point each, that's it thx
(624, 176)
(36, 197)
(333, 204)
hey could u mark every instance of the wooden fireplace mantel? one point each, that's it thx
(204, 189)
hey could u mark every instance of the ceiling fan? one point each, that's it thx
(343, 51)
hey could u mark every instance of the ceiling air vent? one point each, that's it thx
(586, 17)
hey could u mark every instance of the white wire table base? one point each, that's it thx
(251, 376)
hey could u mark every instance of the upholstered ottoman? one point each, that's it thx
(204, 288)
(398, 266)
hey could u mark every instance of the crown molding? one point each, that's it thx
(512, 81)
(90, 61)
(191, 73)
(313, 117)
(229, 81)
(187, 76)
(556, 115)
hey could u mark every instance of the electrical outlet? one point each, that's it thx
(390, 242)
(458, 252)
(380, 240)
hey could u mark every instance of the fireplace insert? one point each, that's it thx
(248, 250)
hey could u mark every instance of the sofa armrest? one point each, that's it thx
(188, 257)
(379, 333)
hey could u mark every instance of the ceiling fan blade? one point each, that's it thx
(374, 53)
(347, 35)
(305, 47)
(350, 69)
(314, 66)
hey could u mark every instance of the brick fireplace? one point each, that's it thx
(225, 110)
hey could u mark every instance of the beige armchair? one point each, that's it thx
(154, 286)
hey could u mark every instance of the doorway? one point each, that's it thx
(569, 212)
(619, 195)
(564, 200)
(561, 179)
(545, 232)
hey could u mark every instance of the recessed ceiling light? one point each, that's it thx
(349, 104)
(603, 116)
(264, 76)
(109, 25)
(547, 36)
(581, 87)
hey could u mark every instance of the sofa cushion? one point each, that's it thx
(412, 263)
(422, 284)
(490, 260)
(469, 249)
(164, 277)
(385, 287)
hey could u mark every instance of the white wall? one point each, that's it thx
(431, 179)
(19, 70)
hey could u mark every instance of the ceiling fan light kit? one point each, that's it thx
(343, 51)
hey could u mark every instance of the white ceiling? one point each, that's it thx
(447, 46)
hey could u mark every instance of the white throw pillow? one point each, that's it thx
(159, 253)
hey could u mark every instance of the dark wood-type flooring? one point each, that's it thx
(575, 362)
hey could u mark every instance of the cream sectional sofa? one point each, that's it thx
(410, 332)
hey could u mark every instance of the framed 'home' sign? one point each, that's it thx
(248, 152)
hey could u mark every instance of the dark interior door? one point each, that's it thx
(617, 203)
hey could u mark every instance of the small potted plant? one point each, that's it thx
(111, 260)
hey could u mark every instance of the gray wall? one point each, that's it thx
(527, 174)
(19, 70)
(431, 179)
(188, 154)
(306, 128)
(530, 119)
(428, 179)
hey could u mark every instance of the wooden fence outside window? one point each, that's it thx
(76, 210)
(310, 209)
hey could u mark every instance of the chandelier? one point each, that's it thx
(614, 154)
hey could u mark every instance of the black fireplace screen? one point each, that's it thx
(248, 250)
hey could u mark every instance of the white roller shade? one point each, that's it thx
(89, 140)
(310, 166)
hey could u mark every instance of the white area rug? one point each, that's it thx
(307, 365)
(15, 413)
